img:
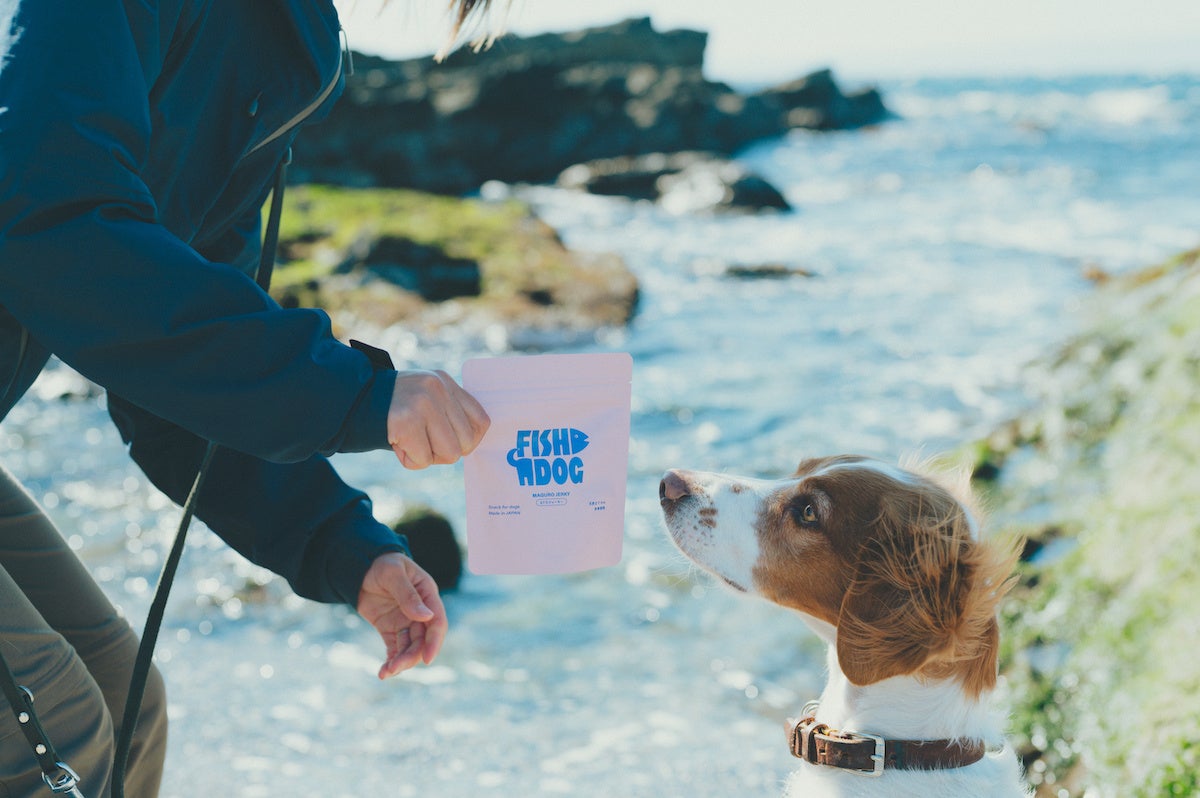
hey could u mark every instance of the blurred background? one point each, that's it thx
(963, 229)
(770, 41)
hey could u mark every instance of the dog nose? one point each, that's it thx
(673, 487)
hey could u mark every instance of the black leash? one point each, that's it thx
(145, 655)
(56, 773)
(266, 258)
(59, 777)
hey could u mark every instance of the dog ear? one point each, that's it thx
(904, 606)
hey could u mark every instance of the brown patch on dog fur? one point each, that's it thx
(708, 517)
(807, 569)
(894, 567)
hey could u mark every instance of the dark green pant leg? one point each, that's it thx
(66, 698)
(65, 640)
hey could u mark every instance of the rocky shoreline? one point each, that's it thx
(528, 108)
(1100, 638)
(621, 110)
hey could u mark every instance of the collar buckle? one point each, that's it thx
(877, 758)
(818, 744)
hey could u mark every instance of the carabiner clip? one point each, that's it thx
(65, 783)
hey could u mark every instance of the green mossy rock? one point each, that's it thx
(364, 254)
(1102, 638)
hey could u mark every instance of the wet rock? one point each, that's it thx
(527, 108)
(433, 545)
(682, 182)
(816, 102)
(427, 271)
(765, 271)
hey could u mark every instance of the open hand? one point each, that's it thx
(401, 601)
(432, 420)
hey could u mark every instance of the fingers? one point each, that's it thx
(419, 642)
(421, 600)
(437, 624)
(432, 420)
(468, 420)
(408, 588)
(403, 604)
(403, 651)
(435, 628)
(464, 415)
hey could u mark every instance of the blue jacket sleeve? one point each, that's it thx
(296, 519)
(88, 269)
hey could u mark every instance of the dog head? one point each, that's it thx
(888, 557)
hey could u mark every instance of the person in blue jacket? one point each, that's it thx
(138, 142)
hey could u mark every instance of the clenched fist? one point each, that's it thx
(432, 420)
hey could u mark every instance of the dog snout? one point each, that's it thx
(674, 486)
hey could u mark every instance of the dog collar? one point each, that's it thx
(869, 755)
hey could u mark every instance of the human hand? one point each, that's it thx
(432, 420)
(401, 601)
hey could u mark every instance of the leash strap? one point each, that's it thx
(57, 774)
(266, 258)
(145, 656)
(159, 606)
(59, 777)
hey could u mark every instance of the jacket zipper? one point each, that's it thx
(305, 113)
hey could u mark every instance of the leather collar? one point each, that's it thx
(868, 755)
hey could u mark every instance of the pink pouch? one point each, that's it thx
(546, 486)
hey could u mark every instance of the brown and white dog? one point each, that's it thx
(887, 566)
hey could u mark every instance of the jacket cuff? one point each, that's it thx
(349, 560)
(365, 429)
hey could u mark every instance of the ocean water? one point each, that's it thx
(948, 249)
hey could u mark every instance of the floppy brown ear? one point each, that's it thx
(904, 604)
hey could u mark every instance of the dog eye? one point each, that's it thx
(805, 514)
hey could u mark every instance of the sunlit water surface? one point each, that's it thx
(947, 250)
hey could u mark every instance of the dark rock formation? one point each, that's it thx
(422, 269)
(765, 271)
(527, 108)
(433, 545)
(816, 102)
(682, 181)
